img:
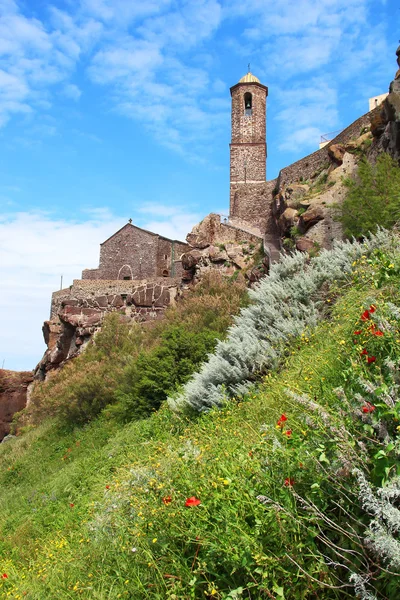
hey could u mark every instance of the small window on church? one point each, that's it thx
(248, 104)
(165, 273)
(127, 277)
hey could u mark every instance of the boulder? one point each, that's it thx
(235, 253)
(190, 259)
(287, 220)
(217, 254)
(336, 153)
(206, 232)
(255, 274)
(378, 123)
(304, 244)
(310, 218)
(293, 194)
(187, 275)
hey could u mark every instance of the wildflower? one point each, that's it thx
(288, 432)
(281, 420)
(4, 576)
(167, 500)
(71, 504)
(289, 482)
(378, 333)
(372, 308)
(365, 316)
(368, 408)
(107, 487)
(364, 352)
(371, 359)
(192, 501)
(358, 332)
(133, 550)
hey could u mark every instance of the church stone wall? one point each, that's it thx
(133, 253)
(133, 248)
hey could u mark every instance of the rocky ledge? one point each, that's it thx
(13, 396)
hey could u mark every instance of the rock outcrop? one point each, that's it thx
(13, 396)
(77, 313)
(306, 213)
(386, 124)
(221, 245)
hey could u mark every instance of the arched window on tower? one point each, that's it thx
(248, 104)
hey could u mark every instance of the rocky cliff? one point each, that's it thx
(13, 396)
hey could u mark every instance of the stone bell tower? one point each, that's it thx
(248, 148)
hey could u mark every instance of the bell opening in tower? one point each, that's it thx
(248, 104)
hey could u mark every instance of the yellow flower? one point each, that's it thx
(154, 540)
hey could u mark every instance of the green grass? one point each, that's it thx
(99, 512)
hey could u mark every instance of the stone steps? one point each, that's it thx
(272, 247)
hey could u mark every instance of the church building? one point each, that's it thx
(135, 253)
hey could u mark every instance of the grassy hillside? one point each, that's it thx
(258, 499)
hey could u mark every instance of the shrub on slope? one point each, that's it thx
(134, 368)
(284, 304)
(107, 512)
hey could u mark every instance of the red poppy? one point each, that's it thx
(368, 408)
(372, 308)
(251, 454)
(71, 504)
(4, 576)
(364, 352)
(167, 500)
(358, 332)
(371, 359)
(365, 316)
(281, 420)
(192, 501)
(107, 487)
(289, 482)
(378, 333)
(288, 432)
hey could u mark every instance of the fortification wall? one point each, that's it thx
(107, 295)
(306, 167)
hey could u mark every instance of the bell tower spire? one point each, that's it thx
(248, 148)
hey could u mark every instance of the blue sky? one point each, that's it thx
(111, 109)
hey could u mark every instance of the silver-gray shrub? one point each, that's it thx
(384, 526)
(285, 303)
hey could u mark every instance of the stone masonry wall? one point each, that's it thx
(101, 294)
(78, 312)
(306, 167)
(130, 246)
(248, 129)
(248, 150)
(168, 257)
(253, 203)
(136, 254)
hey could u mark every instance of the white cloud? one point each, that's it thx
(123, 12)
(72, 91)
(305, 114)
(36, 249)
